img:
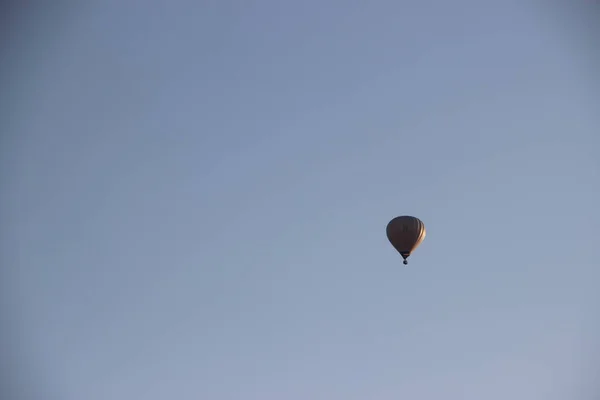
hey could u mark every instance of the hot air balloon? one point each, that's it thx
(405, 233)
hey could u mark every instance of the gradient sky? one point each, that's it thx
(195, 200)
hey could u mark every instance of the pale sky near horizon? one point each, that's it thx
(194, 202)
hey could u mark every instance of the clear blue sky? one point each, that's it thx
(195, 199)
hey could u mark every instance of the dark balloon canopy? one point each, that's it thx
(405, 233)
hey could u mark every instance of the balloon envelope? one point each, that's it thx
(405, 233)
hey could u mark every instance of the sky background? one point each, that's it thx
(194, 201)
